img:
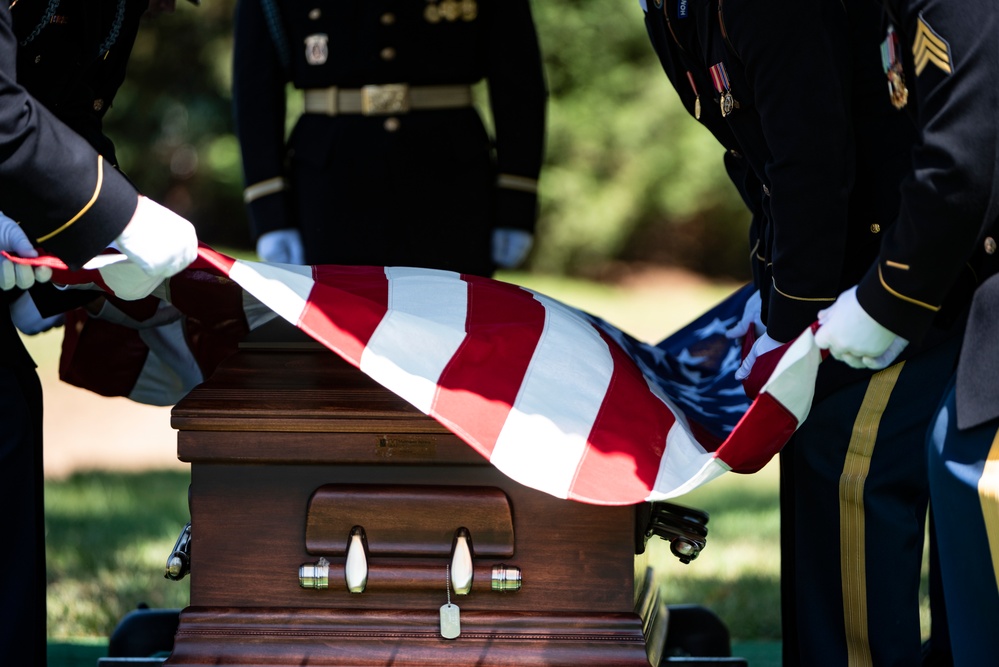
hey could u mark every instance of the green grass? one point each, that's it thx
(738, 574)
(107, 541)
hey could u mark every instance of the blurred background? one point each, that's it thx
(629, 177)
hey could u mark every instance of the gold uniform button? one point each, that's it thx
(388, 18)
(388, 53)
(875, 228)
(990, 245)
(391, 124)
(314, 14)
(98, 104)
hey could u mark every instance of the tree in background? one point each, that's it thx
(172, 121)
(629, 176)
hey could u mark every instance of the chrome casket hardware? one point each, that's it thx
(178, 564)
(315, 575)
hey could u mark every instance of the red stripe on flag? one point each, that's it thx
(99, 356)
(210, 258)
(627, 440)
(345, 307)
(215, 319)
(479, 385)
(50, 261)
(758, 436)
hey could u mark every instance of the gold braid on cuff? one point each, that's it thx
(80, 214)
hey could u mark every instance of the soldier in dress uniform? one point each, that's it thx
(801, 89)
(71, 57)
(390, 163)
(69, 199)
(943, 69)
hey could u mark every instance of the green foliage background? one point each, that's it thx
(629, 176)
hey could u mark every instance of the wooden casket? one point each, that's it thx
(334, 524)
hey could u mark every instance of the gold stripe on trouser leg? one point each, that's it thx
(852, 547)
(988, 496)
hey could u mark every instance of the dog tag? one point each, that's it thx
(450, 621)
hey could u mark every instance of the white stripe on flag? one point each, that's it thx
(284, 288)
(792, 382)
(545, 435)
(419, 334)
(684, 466)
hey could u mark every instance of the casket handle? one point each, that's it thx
(461, 563)
(355, 570)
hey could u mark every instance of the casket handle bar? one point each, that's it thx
(684, 528)
(408, 573)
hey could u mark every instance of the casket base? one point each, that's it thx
(362, 637)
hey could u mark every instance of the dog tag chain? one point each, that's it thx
(450, 614)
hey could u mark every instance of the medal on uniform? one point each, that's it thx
(891, 60)
(719, 77)
(697, 98)
(317, 49)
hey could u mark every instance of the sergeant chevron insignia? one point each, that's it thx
(929, 47)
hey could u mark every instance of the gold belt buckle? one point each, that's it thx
(386, 99)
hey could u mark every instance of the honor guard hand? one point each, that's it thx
(159, 242)
(750, 317)
(759, 364)
(510, 246)
(282, 246)
(15, 241)
(854, 337)
(28, 320)
(762, 345)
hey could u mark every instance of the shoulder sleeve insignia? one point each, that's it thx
(930, 48)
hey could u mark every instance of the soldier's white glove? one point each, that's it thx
(15, 241)
(28, 320)
(750, 318)
(854, 337)
(762, 345)
(510, 246)
(283, 246)
(159, 242)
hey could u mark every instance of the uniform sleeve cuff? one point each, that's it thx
(516, 209)
(98, 222)
(788, 317)
(900, 316)
(269, 213)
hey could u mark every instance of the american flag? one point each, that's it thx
(555, 398)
